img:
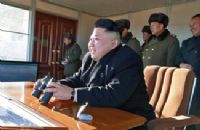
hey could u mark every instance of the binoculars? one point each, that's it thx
(37, 92)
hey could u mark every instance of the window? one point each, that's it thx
(14, 35)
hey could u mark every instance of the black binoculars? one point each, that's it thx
(44, 99)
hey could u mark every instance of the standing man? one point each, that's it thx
(189, 57)
(127, 37)
(146, 34)
(72, 53)
(162, 48)
(111, 75)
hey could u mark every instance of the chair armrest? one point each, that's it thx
(176, 121)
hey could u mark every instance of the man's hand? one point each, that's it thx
(61, 92)
(39, 81)
(65, 61)
(187, 66)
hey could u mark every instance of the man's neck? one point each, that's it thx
(158, 34)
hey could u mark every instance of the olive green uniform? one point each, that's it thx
(71, 59)
(161, 50)
(132, 42)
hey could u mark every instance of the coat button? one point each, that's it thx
(102, 75)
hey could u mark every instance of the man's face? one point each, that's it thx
(146, 36)
(124, 32)
(67, 41)
(156, 28)
(195, 26)
(100, 43)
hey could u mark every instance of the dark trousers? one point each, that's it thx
(144, 127)
(195, 104)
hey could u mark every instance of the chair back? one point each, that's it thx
(12, 71)
(169, 89)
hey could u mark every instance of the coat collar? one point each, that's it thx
(127, 37)
(69, 46)
(96, 68)
(162, 36)
(109, 55)
(196, 37)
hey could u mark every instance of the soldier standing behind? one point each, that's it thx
(72, 55)
(162, 48)
(127, 37)
(146, 34)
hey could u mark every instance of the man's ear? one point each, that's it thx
(115, 43)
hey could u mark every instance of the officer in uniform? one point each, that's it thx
(72, 53)
(162, 48)
(146, 34)
(189, 57)
(127, 37)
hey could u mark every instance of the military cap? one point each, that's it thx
(160, 18)
(146, 29)
(68, 35)
(123, 23)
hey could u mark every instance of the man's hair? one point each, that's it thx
(195, 16)
(160, 18)
(109, 25)
(146, 29)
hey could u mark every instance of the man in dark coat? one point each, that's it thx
(127, 37)
(111, 75)
(189, 57)
(162, 48)
(72, 53)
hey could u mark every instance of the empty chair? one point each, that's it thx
(150, 78)
(170, 91)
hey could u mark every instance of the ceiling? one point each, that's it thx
(105, 8)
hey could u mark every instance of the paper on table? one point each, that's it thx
(14, 115)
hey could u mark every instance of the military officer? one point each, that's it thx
(162, 48)
(127, 37)
(146, 34)
(72, 53)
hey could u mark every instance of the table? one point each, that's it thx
(63, 113)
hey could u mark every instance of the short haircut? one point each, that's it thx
(109, 25)
(146, 29)
(195, 16)
(160, 18)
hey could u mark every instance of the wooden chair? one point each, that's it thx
(170, 90)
